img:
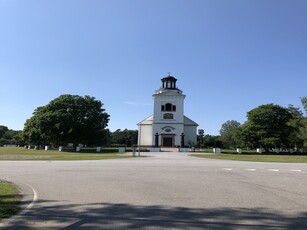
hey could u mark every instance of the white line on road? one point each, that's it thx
(295, 170)
(35, 197)
(251, 169)
(227, 169)
(273, 170)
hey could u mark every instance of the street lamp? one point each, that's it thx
(200, 134)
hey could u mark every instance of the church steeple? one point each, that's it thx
(167, 126)
(169, 82)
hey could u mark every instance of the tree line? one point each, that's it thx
(69, 119)
(267, 126)
(9, 136)
(83, 120)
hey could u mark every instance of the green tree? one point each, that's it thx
(227, 133)
(245, 137)
(303, 132)
(303, 128)
(125, 137)
(268, 126)
(296, 139)
(304, 103)
(3, 130)
(9, 136)
(211, 141)
(68, 119)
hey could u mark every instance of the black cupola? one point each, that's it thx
(169, 82)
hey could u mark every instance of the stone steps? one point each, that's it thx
(169, 149)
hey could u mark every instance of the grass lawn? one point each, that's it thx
(7, 153)
(10, 198)
(257, 158)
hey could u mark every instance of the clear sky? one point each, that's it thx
(229, 56)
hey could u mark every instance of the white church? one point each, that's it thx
(168, 126)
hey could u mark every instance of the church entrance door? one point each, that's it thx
(167, 141)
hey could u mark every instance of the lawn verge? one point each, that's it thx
(10, 199)
(256, 158)
(16, 153)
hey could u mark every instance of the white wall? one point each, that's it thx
(146, 135)
(172, 97)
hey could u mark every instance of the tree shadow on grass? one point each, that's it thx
(53, 215)
(9, 205)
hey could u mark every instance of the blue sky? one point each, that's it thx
(229, 56)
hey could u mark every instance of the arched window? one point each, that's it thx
(168, 107)
(168, 116)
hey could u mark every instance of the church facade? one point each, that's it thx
(168, 126)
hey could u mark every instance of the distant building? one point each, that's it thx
(167, 127)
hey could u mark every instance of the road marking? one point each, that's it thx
(227, 169)
(251, 169)
(35, 197)
(295, 170)
(273, 170)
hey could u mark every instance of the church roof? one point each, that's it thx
(188, 121)
(169, 78)
(149, 121)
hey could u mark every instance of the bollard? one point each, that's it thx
(121, 149)
(133, 151)
(216, 150)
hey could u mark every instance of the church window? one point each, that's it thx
(168, 107)
(168, 116)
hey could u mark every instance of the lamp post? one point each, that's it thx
(200, 134)
(139, 144)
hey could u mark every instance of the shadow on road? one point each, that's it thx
(125, 216)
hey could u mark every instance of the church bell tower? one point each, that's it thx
(168, 117)
(167, 126)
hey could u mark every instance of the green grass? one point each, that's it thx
(7, 153)
(256, 158)
(10, 198)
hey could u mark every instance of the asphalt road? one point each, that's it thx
(167, 191)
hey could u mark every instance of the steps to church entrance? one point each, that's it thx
(169, 149)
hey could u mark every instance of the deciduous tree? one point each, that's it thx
(268, 125)
(68, 119)
(227, 133)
